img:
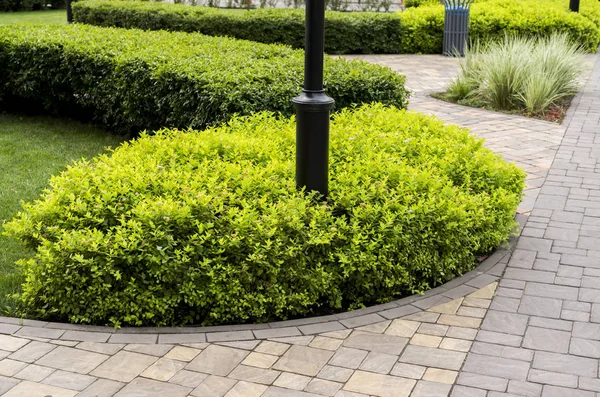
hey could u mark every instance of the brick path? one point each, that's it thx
(535, 333)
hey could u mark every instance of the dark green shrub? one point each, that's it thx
(364, 32)
(21, 5)
(207, 227)
(132, 80)
(491, 20)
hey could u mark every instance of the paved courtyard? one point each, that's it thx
(525, 323)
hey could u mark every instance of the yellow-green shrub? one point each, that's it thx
(208, 227)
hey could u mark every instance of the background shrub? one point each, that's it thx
(355, 32)
(130, 80)
(207, 227)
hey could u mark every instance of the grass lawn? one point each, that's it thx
(45, 16)
(31, 150)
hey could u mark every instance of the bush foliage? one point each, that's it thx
(29, 5)
(208, 227)
(345, 32)
(130, 80)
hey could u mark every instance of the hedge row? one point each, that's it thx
(345, 32)
(416, 30)
(131, 80)
(29, 5)
(423, 26)
(208, 227)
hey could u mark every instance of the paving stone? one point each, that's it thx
(323, 387)
(402, 328)
(273, 348)
(423, 317)
(455, 344)
(542, 307)
(551, 291)
(348, 358)
(11, 343)
(408, 370)
(295, 340)
(426, 340)
(374, 342)
(461, 333)
(574, 315)
(496, 366)
(482, 381)
(379, 385)
(430, 357)
(362, 320)
(505, 304)
(32, 352)
(589, 383)
(217, 360)
(342, 334)
(585, 347)
(551, 323)
(72, 360)
(448, 307)
(377, 328)
(163, 369)
(303, 360)
(564, 363)
(275, 391)
(471, 312)
(526, 389)
(33, 372)
(181, 338)
(294, 381)
(134, 338)
(460, 321)
(151, 388)
(104, 348)
(84, 336)
(431, 389)
(39, 333)
(213, 386)
(378, 362)
(10, 367)
(330, 372)
(555, 391)
(322, 342)
(320, 328)
(69, 380)
(124, 366)
(188, 378)
(102, 388)
(9, 328)
(149, 349)
(276, 332)
(254, 375)
(552, 378)
(547, 339)
(499, 338)
(486, 292)
(246, 389)
(462, 391)
(182, 353)
(433, 329)
(440, 376)
(260, 360)
(30, 389)
(529, 275)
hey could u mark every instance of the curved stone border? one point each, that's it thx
(487, 272)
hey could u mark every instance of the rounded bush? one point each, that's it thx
(208, 227)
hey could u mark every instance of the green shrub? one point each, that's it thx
(520, 73)
(189, 227)
(491, 20)
(130, 80)
(21, 5)
(364, 32)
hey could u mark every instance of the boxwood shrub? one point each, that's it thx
(130, 80)
(208, 227)
(490, 20)
(345, 32)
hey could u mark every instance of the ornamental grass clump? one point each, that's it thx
(188, 227)
(520, 73)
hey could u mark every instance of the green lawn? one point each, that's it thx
(31, 150)
(45, 16)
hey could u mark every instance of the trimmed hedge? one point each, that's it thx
(208, 227)
(131, 80)
(491, 20)
(345, 32)
(29, 5)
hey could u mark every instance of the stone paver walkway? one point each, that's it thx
(525, 323)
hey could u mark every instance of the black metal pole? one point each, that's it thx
(313, 107)
(69, 12)
(574, 5)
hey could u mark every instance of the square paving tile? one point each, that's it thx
(376, 342)
(163, 370)
(380, 385)
(72, 360)
(303, 360)
(217, 360)
(30, 389)
(214, 386)
(102, 388)
(69, 380)
(151, 388)
(124, 366)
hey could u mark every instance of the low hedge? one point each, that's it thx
(130, 80)
(208, 227)
(345, 32)
(490, 20)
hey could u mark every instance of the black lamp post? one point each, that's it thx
(69, 12)
(313, 107)
(574, 5)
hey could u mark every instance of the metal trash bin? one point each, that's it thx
(456, 27)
